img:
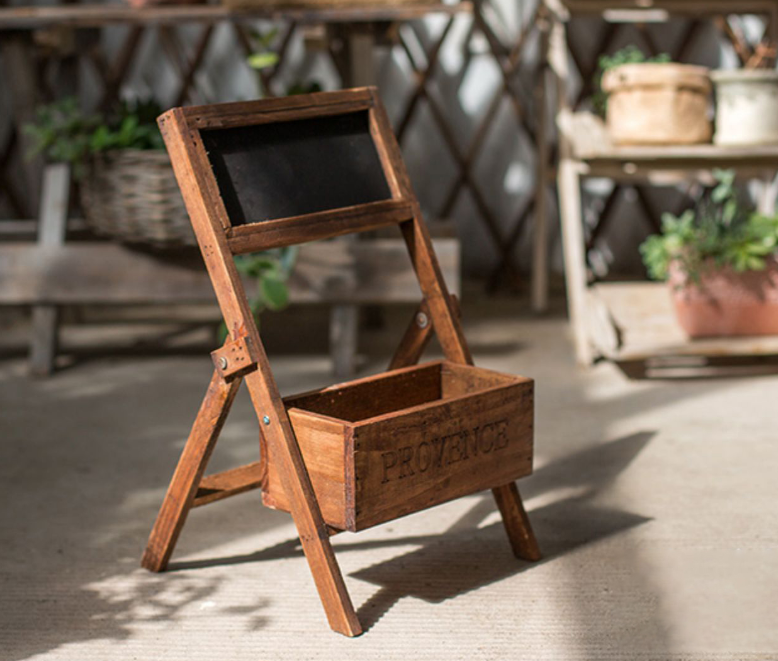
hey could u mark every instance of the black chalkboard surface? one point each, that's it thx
(279, 170)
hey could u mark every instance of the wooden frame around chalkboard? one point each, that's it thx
(243, 357)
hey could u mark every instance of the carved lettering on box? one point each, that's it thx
(437, 453)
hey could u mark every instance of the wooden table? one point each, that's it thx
(357, 27)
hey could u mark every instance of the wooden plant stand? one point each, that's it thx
(367, 451)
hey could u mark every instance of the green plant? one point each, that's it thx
(266, 58)
(270, 270)
(721, 230)
(63, 132)
(628, 55)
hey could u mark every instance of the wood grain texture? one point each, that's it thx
(395, 443)
(191, 466)
(523, 541)
(323, 446)
(374, 395)
(417, 238)
(190, 163)
(417, 336)
(371, 450)
(234, 359)
(317, 226)
(218, 486)
(432, 453)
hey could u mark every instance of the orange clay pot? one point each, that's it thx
(726, 302)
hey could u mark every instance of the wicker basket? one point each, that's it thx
(132, 195)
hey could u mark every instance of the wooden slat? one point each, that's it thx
(421, 456)
(417, 336)
(692, 157)
(191, 466)
(241, 113)
(376, 271)
(316, 226)
(677, 7)
(193, 171)
(96, 15)
(636, 321)
(228, 483)
(324, 448)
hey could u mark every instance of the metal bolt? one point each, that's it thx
(422, 320)
(266, 420)
(223, 363)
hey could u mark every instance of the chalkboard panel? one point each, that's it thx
(278, 170)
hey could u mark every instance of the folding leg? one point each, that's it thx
(516, 522)
(191, 466)
(313, 532)
(514, 516)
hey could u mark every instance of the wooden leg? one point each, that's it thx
(344, 323)
(516, 522)
(52, 224)
(540, 227)
(313, 532)
(575, 257)
(191, 466)
(44, 339)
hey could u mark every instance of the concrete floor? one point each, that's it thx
(654, 502)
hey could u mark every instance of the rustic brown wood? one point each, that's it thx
(206, 210)
(523, 541)
(218, 486)
(375, 395)
(283, 109)
(316, 226)
(444, 319)
(233, 359)
(191, 466)
(323, 447)
(409, 439)
(342, 458)
(417, 336)
(451, 447)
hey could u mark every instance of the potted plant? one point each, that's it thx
(127, 188)
(720, 261)
(652, 101)
(747, 101)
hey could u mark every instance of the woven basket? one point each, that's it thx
(131, 195)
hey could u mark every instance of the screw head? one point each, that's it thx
(266, 420)
(422, 320)
(223, 363)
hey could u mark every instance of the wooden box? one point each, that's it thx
(399, 442)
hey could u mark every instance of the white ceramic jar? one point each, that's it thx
(746, 106)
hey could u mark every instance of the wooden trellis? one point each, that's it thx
(188, 59)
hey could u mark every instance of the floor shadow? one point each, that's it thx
(477, 558)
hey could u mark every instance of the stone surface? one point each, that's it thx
(654, 503)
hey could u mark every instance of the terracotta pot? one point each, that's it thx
(726, 302)
(658, 104)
